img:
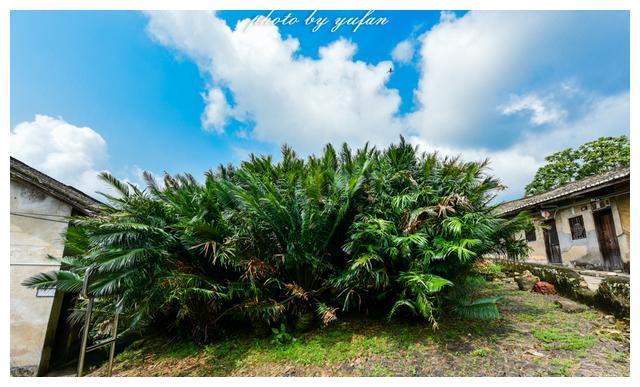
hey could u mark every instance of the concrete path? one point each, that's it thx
(593, 278)
(593, 282)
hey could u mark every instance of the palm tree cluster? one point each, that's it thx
(300, 241)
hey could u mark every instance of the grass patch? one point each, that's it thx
(581, 354)
(339, 344)
(555, 338)
(182, 349)
(379, 370)
(481, 352)
(321, 350)
(561, 367)
(616, 356)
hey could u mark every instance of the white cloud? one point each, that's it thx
(479, 93)
(541, 111)
(605, 116)
(217, 110)
(447, 16)
(478, 71)
(512, 166)
(291, 98)
(74, 155)
(466, 66)
(403, 52)
(517, 164)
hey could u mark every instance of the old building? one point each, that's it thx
(581, 224)
(39, 209)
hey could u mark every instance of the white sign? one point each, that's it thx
(50, 292)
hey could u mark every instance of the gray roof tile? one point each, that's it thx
(66, 193)
(588, 183)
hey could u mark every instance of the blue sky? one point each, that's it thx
(184, 92)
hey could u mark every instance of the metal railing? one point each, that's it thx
(87, 324)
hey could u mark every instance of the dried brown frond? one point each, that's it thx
(328, 315)
(297, 291)
(257, 269)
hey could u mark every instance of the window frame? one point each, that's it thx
(578, 219)
(531, 233)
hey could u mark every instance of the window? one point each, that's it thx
(577, 228)
(530, 234)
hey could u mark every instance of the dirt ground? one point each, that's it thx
(533, 337)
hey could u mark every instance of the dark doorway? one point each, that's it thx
(66, 342)
(67, 339)
(607, 239)
(551, 241)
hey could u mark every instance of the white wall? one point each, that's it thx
(32, 240)
(577, 251)
(587, 250)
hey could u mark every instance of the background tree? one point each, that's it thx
(592, 158)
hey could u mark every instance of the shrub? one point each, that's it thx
(280, 335)
(382, 232)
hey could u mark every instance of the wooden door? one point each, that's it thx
(551, 241)
(607, 239)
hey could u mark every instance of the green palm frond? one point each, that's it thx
(480, 309)
(421, 283)
(374, 230)
(64, 281)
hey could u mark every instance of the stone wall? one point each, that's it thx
(612, 296)
(33, 239)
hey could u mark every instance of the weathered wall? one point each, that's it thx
(623, 228)
(538, 253)
(32, 240)
(585, 251)
(624, 202)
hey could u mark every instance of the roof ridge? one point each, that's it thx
(566, 189)
(64, 192)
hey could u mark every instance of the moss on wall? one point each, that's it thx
(613, 296)
(565, 280)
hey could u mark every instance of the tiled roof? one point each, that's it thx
(588, 183)
(66, 193)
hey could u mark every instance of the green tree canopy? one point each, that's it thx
(592, 158)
